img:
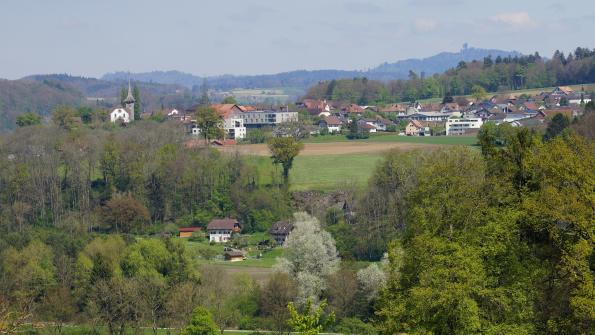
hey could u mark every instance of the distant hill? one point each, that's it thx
(438, 63)
(20, 96)
(303, 79)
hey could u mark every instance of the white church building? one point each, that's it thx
(125, 114)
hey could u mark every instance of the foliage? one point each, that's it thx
(28, 119)
(310, 321)
(123, 213)
(201, 323)
(283, 152)
(468, 78)
(209, 122)
(556, 126)
(492, 261)
(229, 100)
(310, 255)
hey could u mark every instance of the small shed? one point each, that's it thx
(234, 255)
(188, 231)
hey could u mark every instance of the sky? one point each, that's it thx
(203, 37)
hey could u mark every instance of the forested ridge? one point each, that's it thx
(493, 74)
(490, 240)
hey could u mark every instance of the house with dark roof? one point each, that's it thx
(280, 230)
(220, 230)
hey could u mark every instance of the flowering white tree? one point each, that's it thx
(310, 255)
(371, 280)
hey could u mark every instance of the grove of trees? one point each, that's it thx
(491, 75)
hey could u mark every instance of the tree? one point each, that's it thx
(201, 323)
(556, 126)
(229, 100)
(137, 102)
(273, 299)
(310, 256)
(310, 321)
(478, 92)
(209, 122)
(28, 119)
(123, 213)
(115, 301)
(63, 117)
(204, 94)
(283, 152)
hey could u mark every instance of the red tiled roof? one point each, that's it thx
(247, 108)
(226, 223)
(225, 110)
(417, 123)
(333, 120)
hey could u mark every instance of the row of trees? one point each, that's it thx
(493, 75)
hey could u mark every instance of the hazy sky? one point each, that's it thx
(90, 38)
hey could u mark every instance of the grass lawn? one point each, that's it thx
(332, 171)
(322, 173)
(392, 137)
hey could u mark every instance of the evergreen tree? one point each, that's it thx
(137, 102)
(556, 126)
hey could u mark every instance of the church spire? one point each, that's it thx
(129, 98)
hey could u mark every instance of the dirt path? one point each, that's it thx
(335, 148)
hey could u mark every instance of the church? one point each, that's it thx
(124, 114)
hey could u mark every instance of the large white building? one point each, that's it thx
(261, 118)
(455, 126)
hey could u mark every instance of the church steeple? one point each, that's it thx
(129, 102)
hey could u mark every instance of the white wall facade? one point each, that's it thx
(459, 126)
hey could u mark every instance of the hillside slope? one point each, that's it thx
(20, 96)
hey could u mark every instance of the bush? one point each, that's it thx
(355, 326)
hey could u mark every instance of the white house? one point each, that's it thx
(220, 230)
(332, 123)
(119, 114)
(456, 126)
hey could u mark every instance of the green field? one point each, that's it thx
(332, 171)
(392, 137)
(328, 172)
(322, 173)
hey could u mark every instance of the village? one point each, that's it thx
(453, 117)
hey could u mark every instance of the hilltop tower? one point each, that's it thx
(129, 102)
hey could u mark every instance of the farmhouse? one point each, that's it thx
(316, 107)
(417, 128)
(188, 231)
(332, 123)
(220, 230)
(280, 230)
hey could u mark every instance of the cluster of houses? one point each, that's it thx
(456, 118)
(222, 230)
